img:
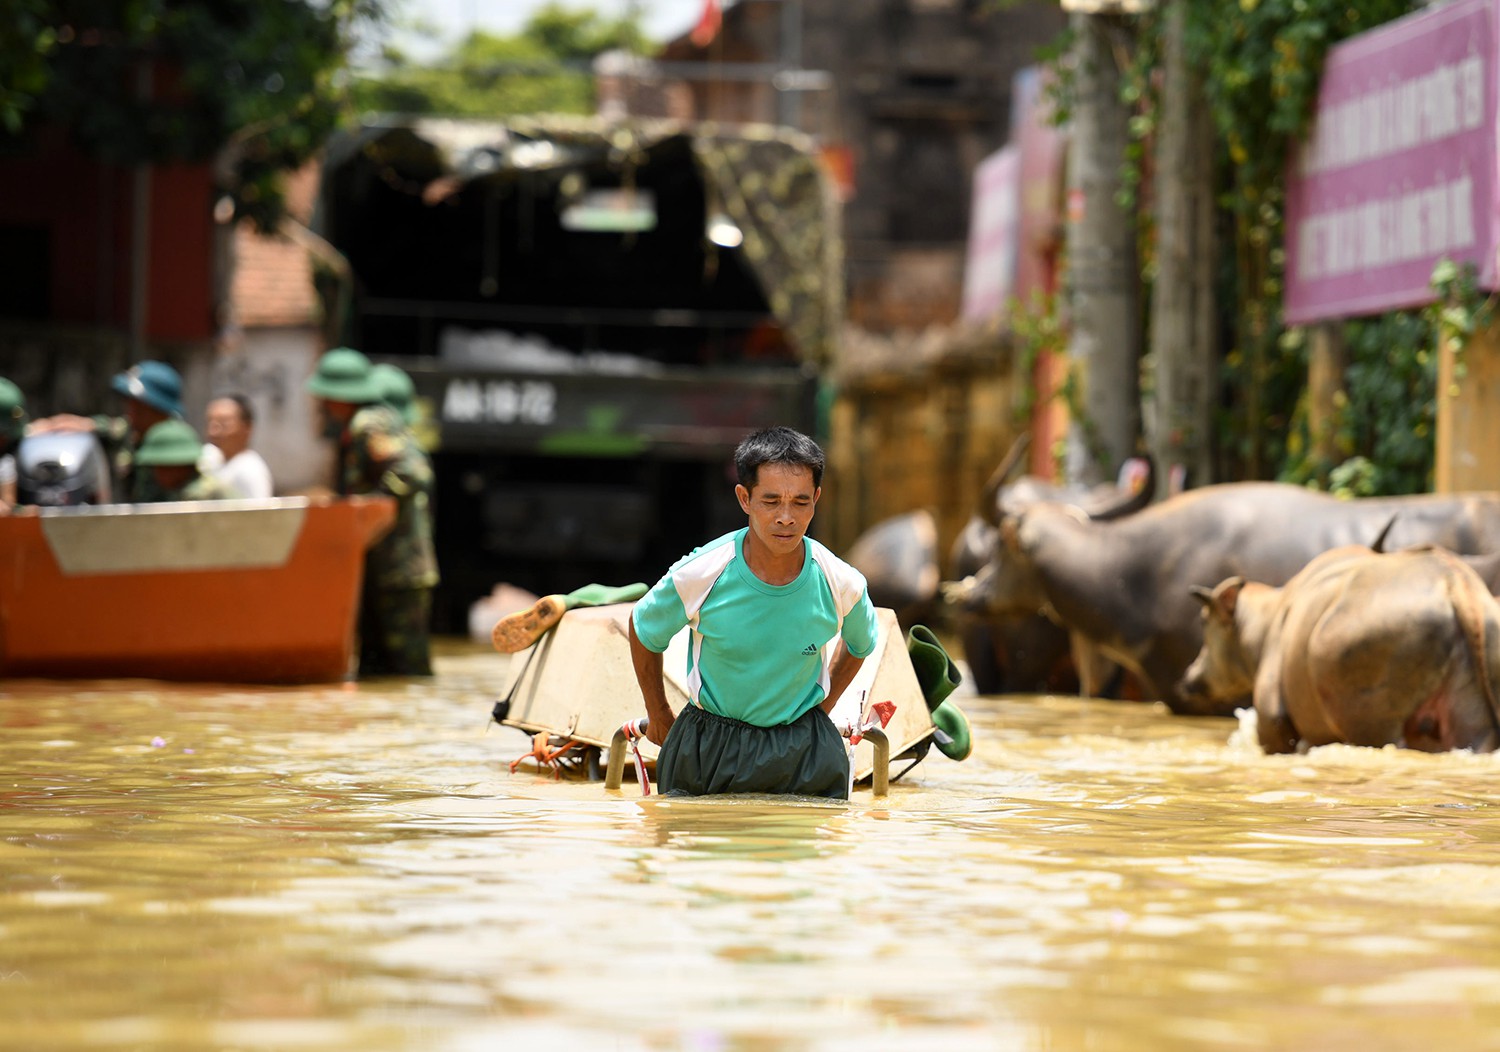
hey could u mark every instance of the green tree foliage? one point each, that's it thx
(582, 34)
(26, 40)
(1261, 63)
(250, 83)
(542, 69)
(1385, 417)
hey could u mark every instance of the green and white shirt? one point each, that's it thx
(758, 652)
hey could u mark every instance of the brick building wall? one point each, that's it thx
(919, 92)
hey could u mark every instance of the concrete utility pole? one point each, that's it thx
(1181, 368)
(1102, 278)
(789, 102)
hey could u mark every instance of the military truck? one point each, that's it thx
(593, 315)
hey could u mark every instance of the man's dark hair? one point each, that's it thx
(777, 445)
(247, 410)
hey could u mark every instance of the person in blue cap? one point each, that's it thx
(379, 455)
(152, 392)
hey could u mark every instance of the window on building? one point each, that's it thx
(933, 202)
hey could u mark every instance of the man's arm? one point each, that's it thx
(648, 673)
(61, 422)
(845, 667)
(398, 466)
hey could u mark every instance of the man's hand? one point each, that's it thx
(61, 422)
(648, 665)
(840, 675)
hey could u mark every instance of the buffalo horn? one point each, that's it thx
(1128, 503)
(1378, 546)
(989, 496)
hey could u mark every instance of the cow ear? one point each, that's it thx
(1220, 600)
(1227, 595)
(1010, 527)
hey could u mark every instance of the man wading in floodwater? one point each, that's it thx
(779, 627)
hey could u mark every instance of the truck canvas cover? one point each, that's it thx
(767, 182)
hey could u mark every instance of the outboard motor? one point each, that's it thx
(61, 469)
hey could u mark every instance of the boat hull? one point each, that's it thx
(225, 591)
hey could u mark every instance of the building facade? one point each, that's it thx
(906, 97)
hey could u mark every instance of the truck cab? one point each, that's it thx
(593, 314)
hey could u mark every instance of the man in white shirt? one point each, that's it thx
(227, 455)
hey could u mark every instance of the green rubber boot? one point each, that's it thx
(604, 595)
(953, 726)
(937, 675)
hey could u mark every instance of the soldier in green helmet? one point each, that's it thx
(12, 427)
(379, 455)
(397, 390)
(170, 451)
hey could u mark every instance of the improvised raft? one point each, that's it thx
(572, 687)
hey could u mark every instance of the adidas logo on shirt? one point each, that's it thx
(811, 648)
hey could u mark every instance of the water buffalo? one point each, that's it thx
(1126, 585)
(1010, 651)
(1358, 647)
(898, 557)
(1007, 653)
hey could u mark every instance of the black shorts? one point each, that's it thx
(706, 754)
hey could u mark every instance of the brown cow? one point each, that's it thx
(1358, 647)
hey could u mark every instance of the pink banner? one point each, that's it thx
(1398, 171)
(990, 270)
(1039, 227)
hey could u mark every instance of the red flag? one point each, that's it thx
(708, 24)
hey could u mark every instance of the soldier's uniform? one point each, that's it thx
(203, 487)
(379, 455)
(137, 484)
(12, 415)
(12, 429)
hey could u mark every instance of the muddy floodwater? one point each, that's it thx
(328, 868)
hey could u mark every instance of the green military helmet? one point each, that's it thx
(396, 390)
(12, 411)
(171, 443)
(345, 375)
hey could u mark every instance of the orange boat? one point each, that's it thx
(242, 591)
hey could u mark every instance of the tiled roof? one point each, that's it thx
(272, 284)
